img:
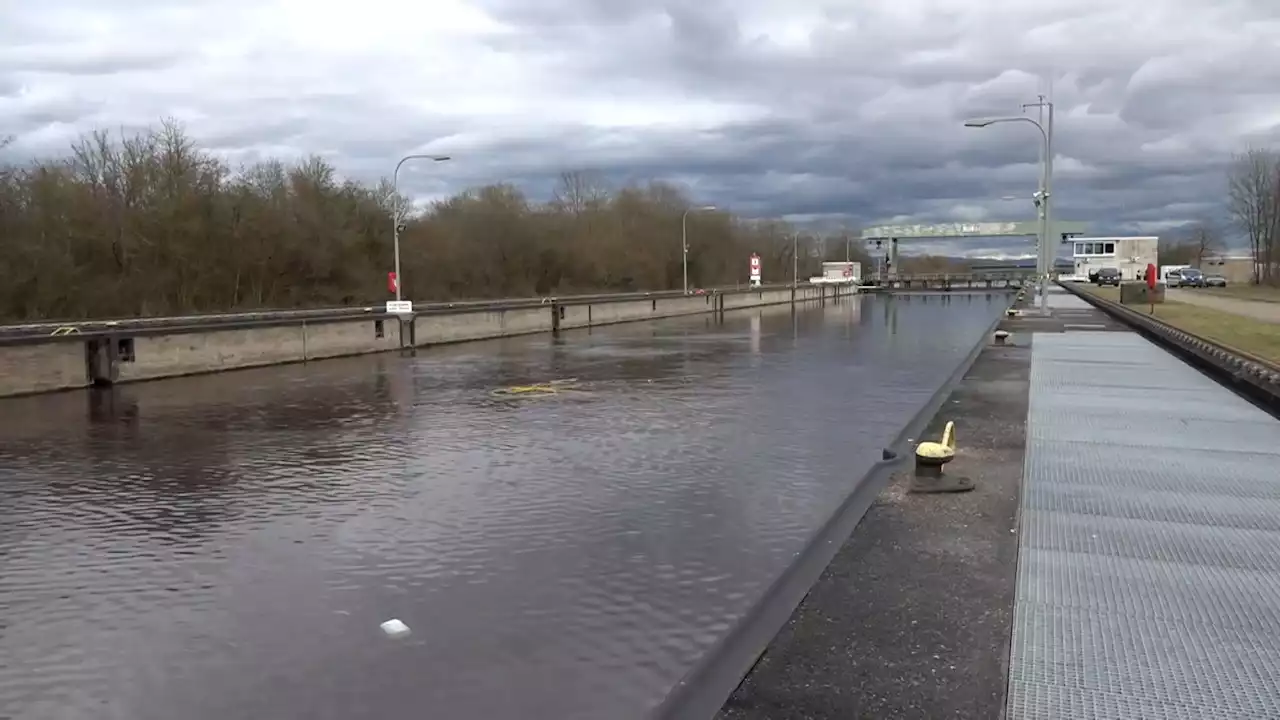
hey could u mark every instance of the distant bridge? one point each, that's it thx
(942, 231)
(1028, 265)
(894, 234)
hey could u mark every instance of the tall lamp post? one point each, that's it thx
(395, 212)
(1045, 254)
(795, 261)
(684, 241)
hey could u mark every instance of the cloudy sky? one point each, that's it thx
(834, 111)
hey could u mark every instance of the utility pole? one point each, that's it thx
(396, 215)
(1045, 252)
(684, 242)
(1047, 255)
(795, 260)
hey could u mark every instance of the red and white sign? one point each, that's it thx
(755, 266)
(392, 282)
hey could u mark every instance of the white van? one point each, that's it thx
(1172, 274)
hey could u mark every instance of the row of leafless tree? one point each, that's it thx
(1253, 211)
(1253, 197)
(1203, 240)
(151, 225)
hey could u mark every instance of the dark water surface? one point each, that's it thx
(227, 546)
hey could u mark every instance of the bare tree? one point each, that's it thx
(579, 191)
(1175, 252)
(5, 141)
(1253, 200)
(1205, 240)
(150, 224)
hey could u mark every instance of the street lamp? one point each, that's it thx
(684, 241)
(795, 261)
(1044, 254)
(395, 210)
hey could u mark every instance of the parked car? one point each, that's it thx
(1190, 277)
(1107, 276)
(1215, 281)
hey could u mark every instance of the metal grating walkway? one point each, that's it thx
(1149, 555)
(1060, 299)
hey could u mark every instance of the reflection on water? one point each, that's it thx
(227, 546)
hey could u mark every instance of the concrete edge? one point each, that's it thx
(703, 691)
(167, 326)
(1252, 378)
(571, 300)
(1006, 647)
(160, 329)
(406, 350)
(40, 332)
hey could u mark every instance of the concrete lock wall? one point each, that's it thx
(159, 356)
(42, 368)
(66, 363)
(767, 297)
(170, 355)
(42, 365)
(458, 327)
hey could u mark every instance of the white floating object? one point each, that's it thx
(394, 628)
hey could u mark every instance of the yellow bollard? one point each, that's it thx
(931, 457)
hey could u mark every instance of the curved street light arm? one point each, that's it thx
(395, 211)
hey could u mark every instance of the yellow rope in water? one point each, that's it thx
(530, 389)
(537, 389)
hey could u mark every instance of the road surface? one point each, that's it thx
(1264, 311)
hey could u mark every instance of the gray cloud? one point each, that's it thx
(98, 61)
(839, 112)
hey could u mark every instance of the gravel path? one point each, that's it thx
(1267, 312)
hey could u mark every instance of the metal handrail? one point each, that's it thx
(62, 328)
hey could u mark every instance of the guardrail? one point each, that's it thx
(1256, 378)
(78, 329)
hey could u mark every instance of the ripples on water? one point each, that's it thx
(226, 546)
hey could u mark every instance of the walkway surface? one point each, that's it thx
(912, 617)
(1149, 553)
(1119, 559)
(1264, 311)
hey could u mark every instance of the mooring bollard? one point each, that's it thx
(931, 457)
(1002, 336)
